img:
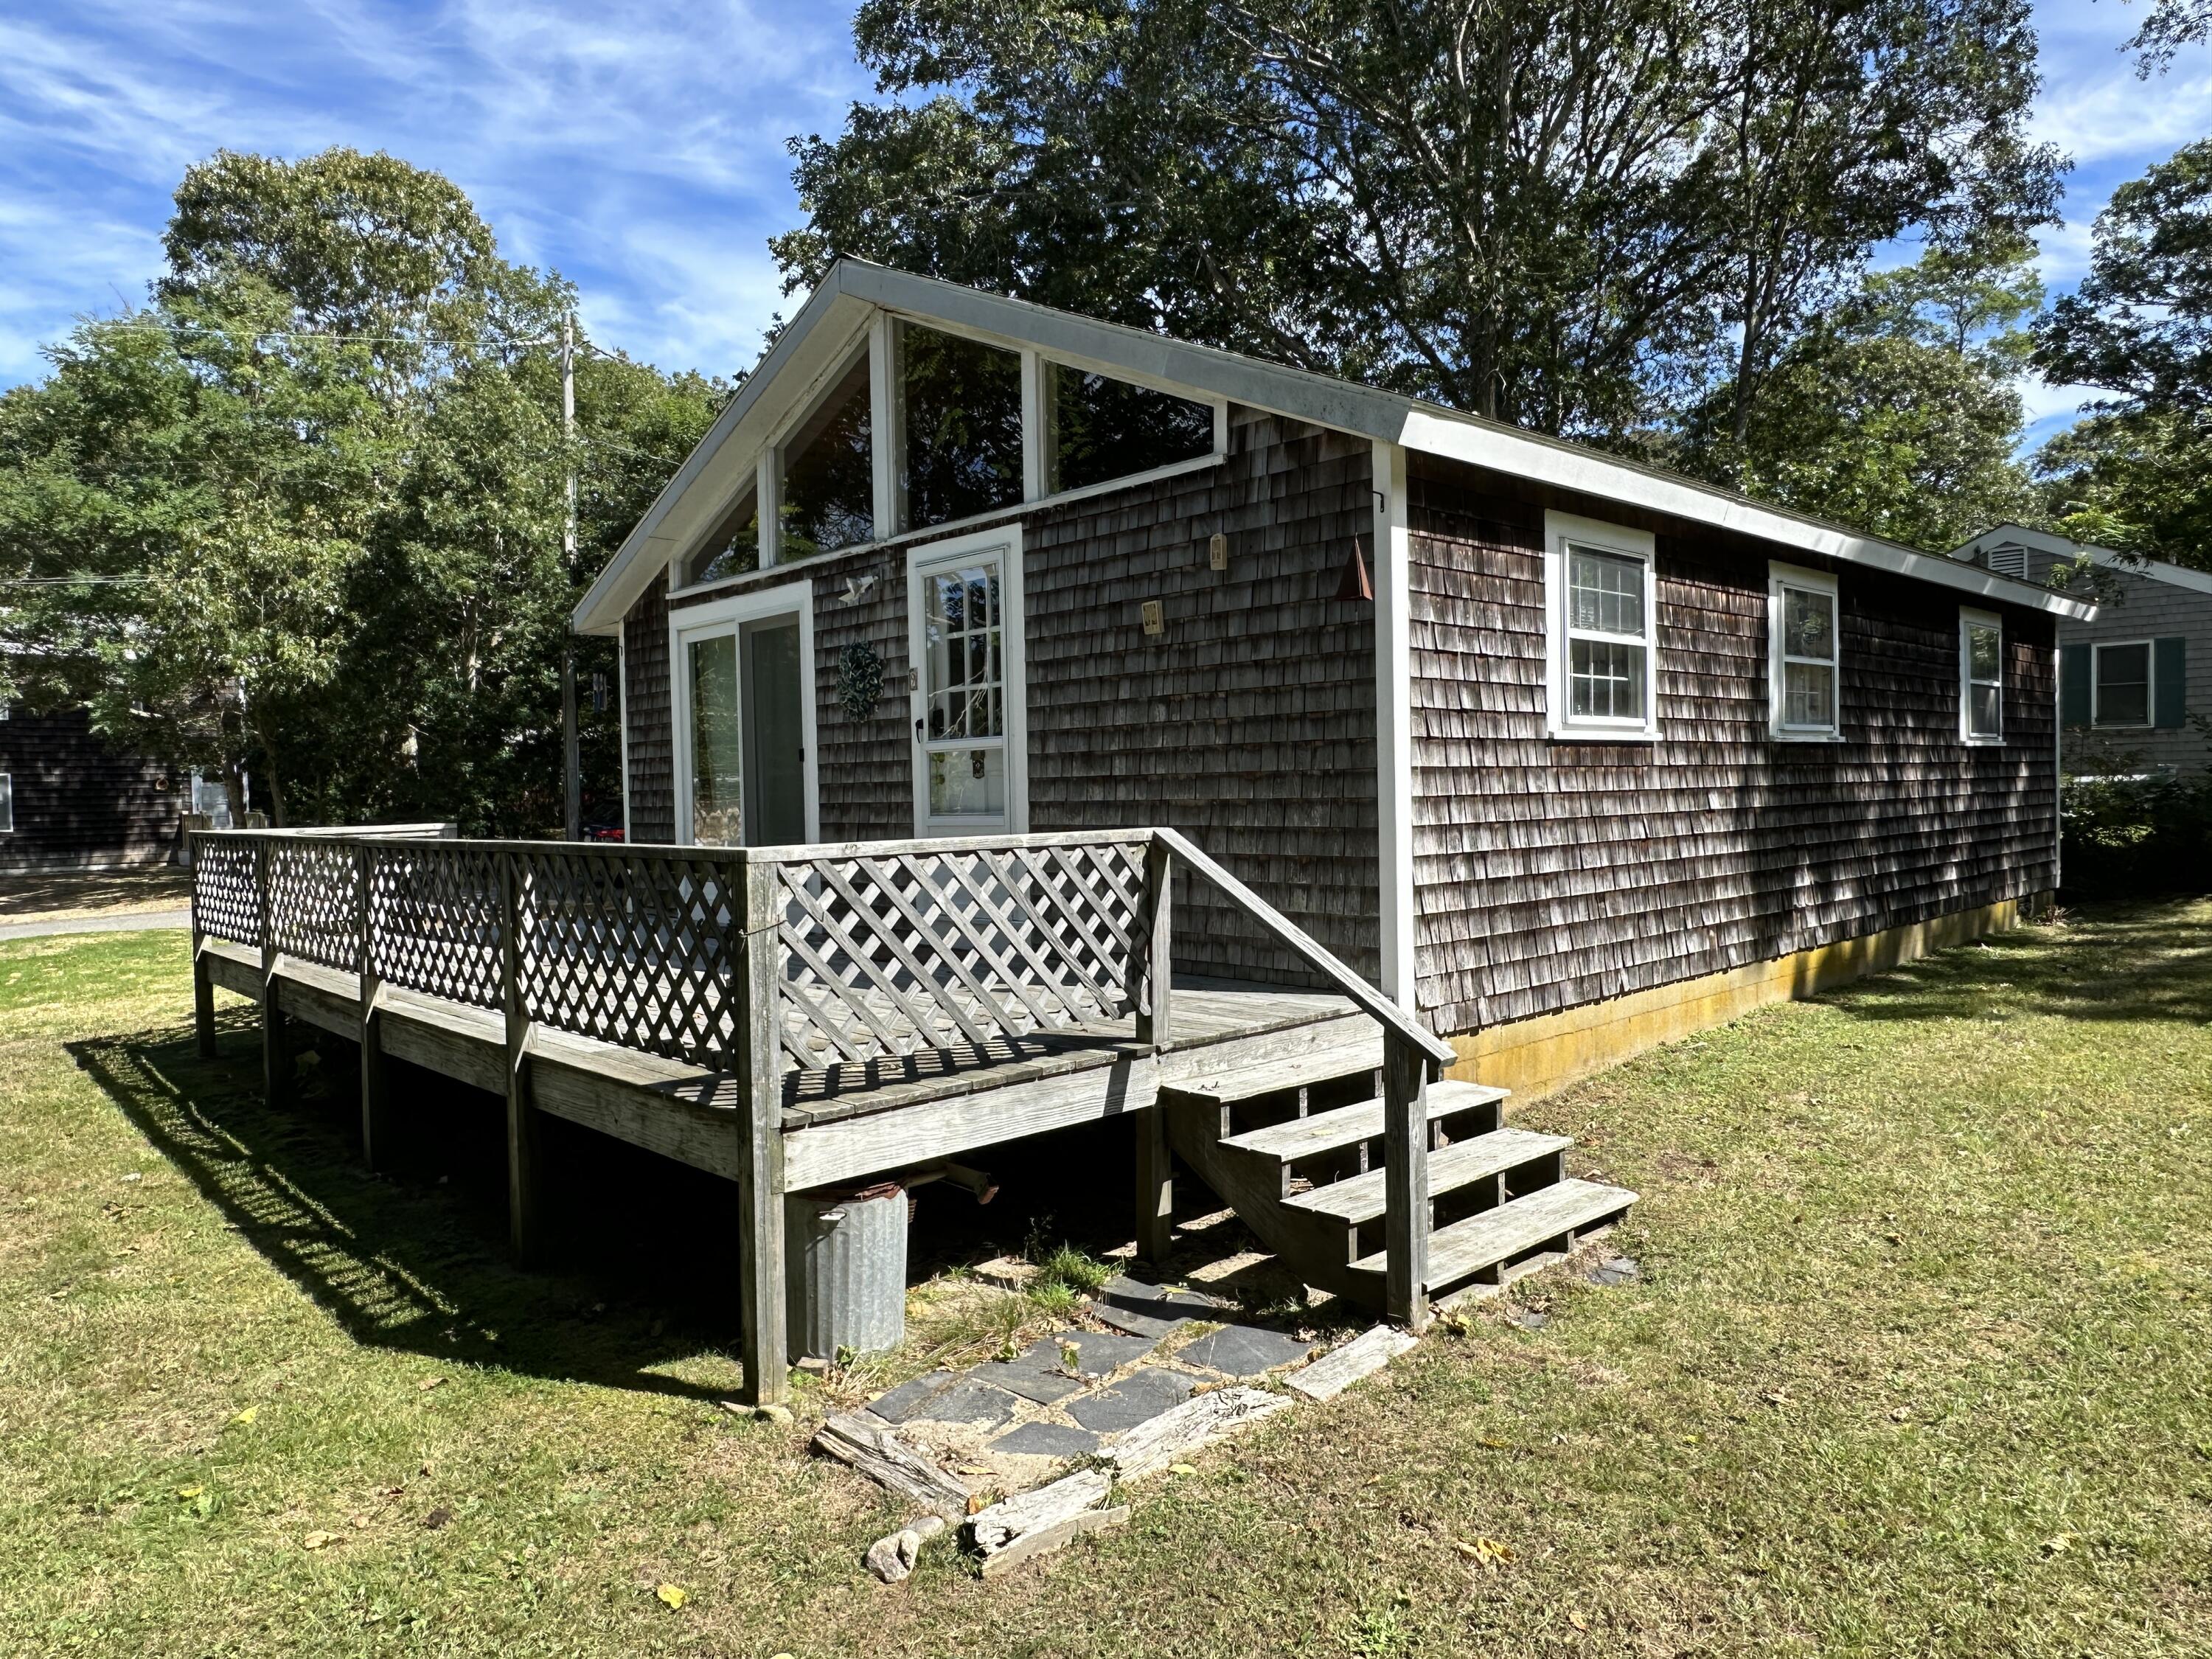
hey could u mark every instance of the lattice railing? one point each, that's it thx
(633, 948)
(314, 904)
(943, 946)
(434, 918)
(226, 891)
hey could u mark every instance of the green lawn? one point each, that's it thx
(1921, 1364)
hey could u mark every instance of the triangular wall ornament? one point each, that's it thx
(1354, 584)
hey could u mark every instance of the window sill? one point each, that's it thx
(1805, 737)
(1983, 743)
(1585, 734)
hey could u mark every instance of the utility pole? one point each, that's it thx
(572, 824)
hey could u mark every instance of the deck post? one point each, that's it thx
(1406, 1182)
(203, 987)
(755, 1062)
(275, 1042)
(1154, 960)
(524, 1219)
(374, 1086)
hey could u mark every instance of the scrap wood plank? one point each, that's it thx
(1031, 1523)
(867, 1443)
(1198, 1421)
(1338, 1369)
(1030, 1545)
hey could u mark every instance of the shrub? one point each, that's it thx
(2137, 834)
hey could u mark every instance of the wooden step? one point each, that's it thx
(1467, 1246)
(1360, 1198)
(1347, 1126)
(1339, 1059)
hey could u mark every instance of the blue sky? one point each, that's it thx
(636, 146)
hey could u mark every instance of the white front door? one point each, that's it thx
(964, 618)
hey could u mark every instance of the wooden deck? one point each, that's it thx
(793, 1019)
(840, 1123)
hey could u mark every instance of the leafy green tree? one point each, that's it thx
(1571, 216)
(2136, 473)
(301, 517)
(1896, 413)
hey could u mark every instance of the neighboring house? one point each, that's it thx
(69, 799)
(2133, 678)
(1569, 754)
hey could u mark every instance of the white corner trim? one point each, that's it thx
(1559, 529)
(1393, 726)
(1013, 668)
(728, 616)
(621, 720)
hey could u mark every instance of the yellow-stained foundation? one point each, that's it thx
(1535, 1057)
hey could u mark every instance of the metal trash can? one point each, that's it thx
(847, 1256)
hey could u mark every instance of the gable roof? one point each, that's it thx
(819, 342)
(2058, 547)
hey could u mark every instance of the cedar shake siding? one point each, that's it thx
(652, 780)
(1249, 724)
(79, 802)
(1550, 874)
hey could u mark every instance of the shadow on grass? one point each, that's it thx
(416, 1261)
(2139, 961)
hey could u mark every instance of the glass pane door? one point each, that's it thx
(717, 741)
(963, 725)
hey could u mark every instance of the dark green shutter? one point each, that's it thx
(2074, 685)
(2169, 678)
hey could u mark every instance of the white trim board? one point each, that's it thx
(1393, 730)
(729, 615)
(853, 292)
(1013, 674)
(2058, 547)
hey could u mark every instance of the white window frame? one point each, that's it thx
(1779, 578)
(729, 615)
(7, 804)
(1012, 666)
(879, 340)
(1559, 530)
(1969, 620)
(2096, 647)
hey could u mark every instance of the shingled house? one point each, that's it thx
(1567, 755)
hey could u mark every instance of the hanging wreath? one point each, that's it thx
(859, 680)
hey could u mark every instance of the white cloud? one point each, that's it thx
(636, 146)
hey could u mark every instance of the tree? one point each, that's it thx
(2134, 474)
(1896, 413)
(306, 508)
(1570, 216)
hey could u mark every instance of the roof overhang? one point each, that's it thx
(2060, 547)
(818, 342)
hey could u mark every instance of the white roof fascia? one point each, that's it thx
(1178, 366)
(2044, 541)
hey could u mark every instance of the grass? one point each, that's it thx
(1917, 1366)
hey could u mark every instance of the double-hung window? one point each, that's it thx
(2121, 684)
(1803, 658)
(1981, 676)
(1601, 611)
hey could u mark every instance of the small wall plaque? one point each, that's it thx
(1155, 618)
(1217, 551)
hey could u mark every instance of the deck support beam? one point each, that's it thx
(1155, 1187)
(202, 1002)
(1405, 1183)
(525, 1219)
(375, 1082)
(275, 1042)
(756, 1061)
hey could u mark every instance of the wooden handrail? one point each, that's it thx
(1392, 1018)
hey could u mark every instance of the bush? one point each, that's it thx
(2128, 834)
